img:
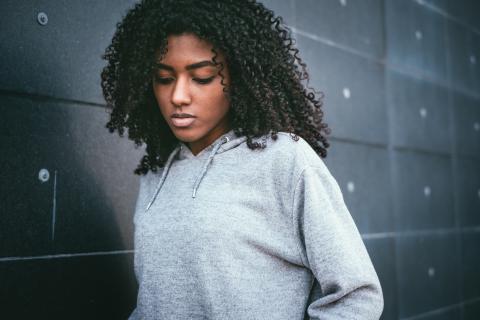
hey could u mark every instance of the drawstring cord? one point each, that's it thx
(207, 163)
(164, 175)
(200, 177)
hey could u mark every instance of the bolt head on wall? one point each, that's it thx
(350, 186)
(42, 18)
(43, 175)
(473, 59)
(427, 191)
(423, 112)
(418, 35)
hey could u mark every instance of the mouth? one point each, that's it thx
(182, 120)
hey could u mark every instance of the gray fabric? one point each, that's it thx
(234, 233)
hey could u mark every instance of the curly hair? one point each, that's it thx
(266, 93)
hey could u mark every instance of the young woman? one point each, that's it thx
(237, 216)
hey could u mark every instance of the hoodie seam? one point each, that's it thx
(295, 231)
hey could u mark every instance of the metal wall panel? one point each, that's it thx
(357, 25)
(420, 113)
(63, 57)
(354, 91)
(449, 314)
(471, 310)
(468, 191)
(467, 125)
(382, 252)
(470, 265)
(465, 11)
(428, 277)
(26, 202)
(415, 39)
(463, 57)
(94, 196)
(423, 196)
(88, 287)
(363, 173)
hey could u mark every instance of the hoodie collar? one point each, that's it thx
(232, 140)
(225, 142)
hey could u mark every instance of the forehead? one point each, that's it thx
(187, 48)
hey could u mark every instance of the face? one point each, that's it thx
(189, 92)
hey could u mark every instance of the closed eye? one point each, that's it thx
(161, 80)
(204, 81)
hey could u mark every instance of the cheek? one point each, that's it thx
(219, 99)
(217, 108)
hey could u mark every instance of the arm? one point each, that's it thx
(346, 285)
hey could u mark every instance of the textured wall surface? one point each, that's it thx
(402, 95)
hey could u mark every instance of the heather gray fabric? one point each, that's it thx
(234, 233)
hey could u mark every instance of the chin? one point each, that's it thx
(186, 134)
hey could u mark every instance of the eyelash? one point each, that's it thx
(161, 80)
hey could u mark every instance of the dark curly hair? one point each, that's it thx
(266, 93)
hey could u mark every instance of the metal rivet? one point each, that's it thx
(343, 2)
(350, 186)
(427, 191)
(346, 93)
(418, 35)
(42, 18)
(476, 126)
(431, 272)
(473, 59)
(43, 175)
(423, 112)
(420, 2)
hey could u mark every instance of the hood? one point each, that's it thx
(225, 142)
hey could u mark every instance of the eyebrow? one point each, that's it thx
(189, 67)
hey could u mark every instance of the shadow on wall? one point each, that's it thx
(68, 190)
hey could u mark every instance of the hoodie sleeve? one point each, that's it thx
(346, 285)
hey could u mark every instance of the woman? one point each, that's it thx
(237, 216)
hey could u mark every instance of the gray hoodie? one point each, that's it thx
(234, 233)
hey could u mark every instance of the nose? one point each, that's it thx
(181, 93)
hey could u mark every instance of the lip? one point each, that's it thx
(182, 122)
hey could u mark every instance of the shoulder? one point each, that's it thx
(287, 157)
(297, 152)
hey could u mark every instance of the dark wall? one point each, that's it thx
(401, 80)
(402, 94)
(67, 188)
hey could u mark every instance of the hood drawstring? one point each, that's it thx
(169, 162)
(207, 163)
(167, 166)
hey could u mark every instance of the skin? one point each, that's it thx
(179, 89)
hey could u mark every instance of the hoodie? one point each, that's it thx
(235, 233)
